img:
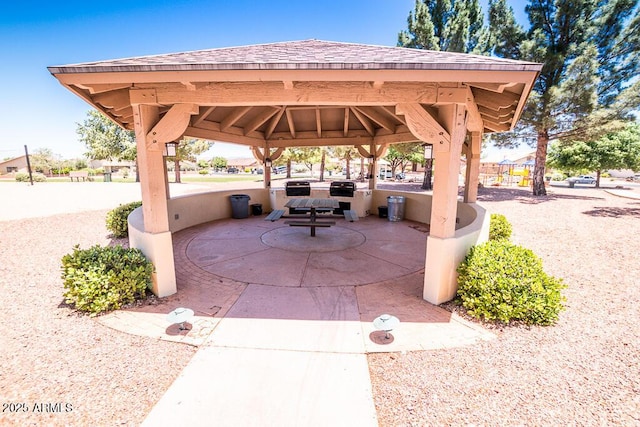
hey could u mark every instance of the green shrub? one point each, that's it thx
(502, 281)
(499, 227)
(117, 219)
(203, 171)
(24, 177)
(101, 279)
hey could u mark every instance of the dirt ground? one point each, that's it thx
(59, 368)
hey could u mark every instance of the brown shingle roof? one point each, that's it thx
(303, 55)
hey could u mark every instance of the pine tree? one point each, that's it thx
(583, 75)
(453, 26)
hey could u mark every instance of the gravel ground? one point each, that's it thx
(583, 371)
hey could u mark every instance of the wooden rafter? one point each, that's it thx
(235, 115)
(203, 116)
(496, 127)
(290, 121)
(101, 88)
(365, 121)
(260, 119)
(116, 100)
(346, 122)
(318, 123)
(496, 114)
(377, 117)
(273, 123)
(495, 101)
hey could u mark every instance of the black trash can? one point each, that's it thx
(106, 176)
(239, 206)
(383, 211)
(256, 209)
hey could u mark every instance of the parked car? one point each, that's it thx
(232, 170)
(582, 179)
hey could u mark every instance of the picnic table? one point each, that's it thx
(313, 206)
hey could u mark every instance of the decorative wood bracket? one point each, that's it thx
(259, 153)
(378, 152)
(424, 127)
(172, 125)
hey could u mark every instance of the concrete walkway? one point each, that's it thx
(284, 320)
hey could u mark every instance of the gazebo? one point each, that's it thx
(311, 93)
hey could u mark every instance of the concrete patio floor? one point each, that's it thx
(284, 320)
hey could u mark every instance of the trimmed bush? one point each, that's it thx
(101, 279)
(499, 227)
(24, 177)
(502, 281)
(117, 219)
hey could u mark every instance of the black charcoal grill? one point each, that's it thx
(342, 189)
(297, 188)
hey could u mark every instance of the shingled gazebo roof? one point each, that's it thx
(498, 86)
(303, 55)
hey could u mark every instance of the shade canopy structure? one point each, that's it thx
(309, 93)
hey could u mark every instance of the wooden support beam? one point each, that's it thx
(235, 115)
(496, 127)
(365, 121)
(445, 188)
(318, 123)
(451, 95)
(496, 114)
(273, 123)
(474, 121)
(117, 100)
(101, 88)
(291, 123)
(493, 87)
(172, 125)
(363, 151)
(203, 116)
(384, 121)
(152, 172)
(472, 174)
(260, 119)
(424, 126)
(346, 122)
(302, 93)
(495, 101)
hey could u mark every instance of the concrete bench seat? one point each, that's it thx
(350, 215)
(274, 215)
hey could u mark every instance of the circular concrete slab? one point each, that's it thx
(299, 239)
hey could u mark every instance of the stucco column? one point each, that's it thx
(155, 242)
(440, 280)
(473, 168)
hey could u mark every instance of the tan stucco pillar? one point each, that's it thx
(441, 259)
(156, 242)
(473, 168)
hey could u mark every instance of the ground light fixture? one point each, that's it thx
(386, 323)
(180, 316)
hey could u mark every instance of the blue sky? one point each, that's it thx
(35, 110)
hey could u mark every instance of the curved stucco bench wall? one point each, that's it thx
(184, 212)
(442, 257)
(192, 209)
